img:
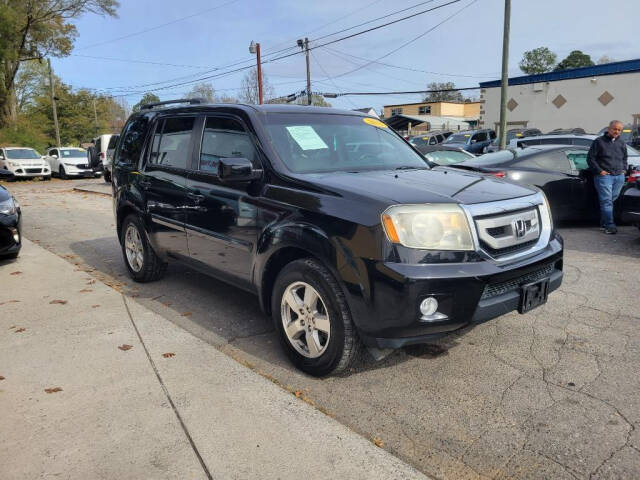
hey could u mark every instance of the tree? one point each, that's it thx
(146, 98)
(443, 96)
(605, 59)
(575, 59)
(538, 60)
(202, 90)
(249, 87)
(34, 29)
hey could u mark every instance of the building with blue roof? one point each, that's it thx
(586, 97)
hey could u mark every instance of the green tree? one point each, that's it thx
(146, 98)
(575, 59)
(538, 60)
(440, 96)
(202, 90)
(34, 29)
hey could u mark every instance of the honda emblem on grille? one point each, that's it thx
(519, 228)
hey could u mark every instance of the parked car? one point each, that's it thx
(10, 221)
(69, 162)
(24, 163)
(342, 246)
(567, 131)
(560, 171)
(630, 205)
(445, 155)
(428, 139)
(109, 160)
(101, 144)
(514, 133)
(474, 141)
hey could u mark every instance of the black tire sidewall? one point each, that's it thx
(300, 270)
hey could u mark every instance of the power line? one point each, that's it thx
(412, 92)
(158, 26)
(330, 79)
(139, 61)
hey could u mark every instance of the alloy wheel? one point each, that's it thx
(133, 248)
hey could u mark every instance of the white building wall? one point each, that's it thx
(582, 108)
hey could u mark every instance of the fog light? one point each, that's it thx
(429, 306)
(16, 235)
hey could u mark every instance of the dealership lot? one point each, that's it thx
(551, 394)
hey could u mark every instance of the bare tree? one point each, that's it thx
(202, 90)
(249, 87)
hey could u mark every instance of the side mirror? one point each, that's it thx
(1, 157)
(54, 156)
(6, 174)
(237, 170)
(474, 141)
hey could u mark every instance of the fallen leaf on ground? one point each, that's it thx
(378, 442)
(125, 347)
(91, 282)
(20, 330)
(134, 295)
(95, 306)
(1, 377)
(17, 272)
(10, 301)
(86, 290)
(298, 393)
(186, 314)
(53, 390)
(59, 302)
(168, 355)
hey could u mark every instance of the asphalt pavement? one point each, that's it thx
(551, 394)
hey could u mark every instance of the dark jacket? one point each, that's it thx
(608, 155)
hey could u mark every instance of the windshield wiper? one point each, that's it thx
(406, 167)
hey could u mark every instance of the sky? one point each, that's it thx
(460, 42)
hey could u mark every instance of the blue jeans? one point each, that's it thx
(608, 188)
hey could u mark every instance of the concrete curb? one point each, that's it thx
(94, 188)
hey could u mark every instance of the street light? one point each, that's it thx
(254, 48)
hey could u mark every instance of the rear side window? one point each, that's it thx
(99, 144)
(171, 142)
(553, 161)
(224, 138)
(432, 141)
(439, 138)
(578, 159)
(583, 142)
(130, 147)
(480, 137)
(555, 141)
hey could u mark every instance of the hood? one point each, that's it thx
(4, 194)
(440, 185)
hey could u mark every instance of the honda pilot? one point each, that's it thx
(345, 233)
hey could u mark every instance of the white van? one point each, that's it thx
(102, 146)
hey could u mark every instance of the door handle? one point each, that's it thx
(196, 197)
(144, 184)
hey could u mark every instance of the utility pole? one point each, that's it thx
(53, 104)
(305, 46)
(255, 48)
(95, 117)
(505, 75)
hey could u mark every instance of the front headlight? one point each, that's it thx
(429, 226)
(8, 207)
(71, 165)
(13, 164)
(547, 217)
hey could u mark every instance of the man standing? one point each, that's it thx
(607, 159)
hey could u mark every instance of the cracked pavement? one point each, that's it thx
(551, 394)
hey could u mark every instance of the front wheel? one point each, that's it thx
(312, 319)
(143, 264)
(62, 173)
(47, 178)
(107, 176)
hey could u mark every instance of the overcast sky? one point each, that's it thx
(465, 49)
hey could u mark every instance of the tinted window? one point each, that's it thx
(170, 147)
(440, 138)
(555, 141)
(583, 142)
(224, 138)
(112, 141)
(53, 152)
(554, 161)
(480, 137)
(492, 134)
(133, 140)
(528, 143)
(99, 144)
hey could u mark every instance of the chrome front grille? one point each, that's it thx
(506, 233)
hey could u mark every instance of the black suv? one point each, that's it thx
(341, 228)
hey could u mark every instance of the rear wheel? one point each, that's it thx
(312, 319)
(107, 176)
(143, 264)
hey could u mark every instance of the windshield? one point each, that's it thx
(325, 143)
(447, 157)
(22, 154)
(632, 152)
(73, 153)
(458, 138)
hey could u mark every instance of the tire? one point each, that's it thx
(61, 173)
(335, 343)
(10, 256)
(107, 176)
(46, 179)
(143, 265)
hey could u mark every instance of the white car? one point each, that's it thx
(24, 162)
(105, 145)
(69, 162)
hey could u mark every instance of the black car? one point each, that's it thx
(561, 171)
(630, 205)
(341, 229)
(474, 141)
(10, 220)
(567, 131)
(445, 155)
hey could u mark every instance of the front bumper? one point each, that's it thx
(468, 293)
(10, 234)
(29, 172)
(79, 172)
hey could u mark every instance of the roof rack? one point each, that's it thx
(191, 101)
